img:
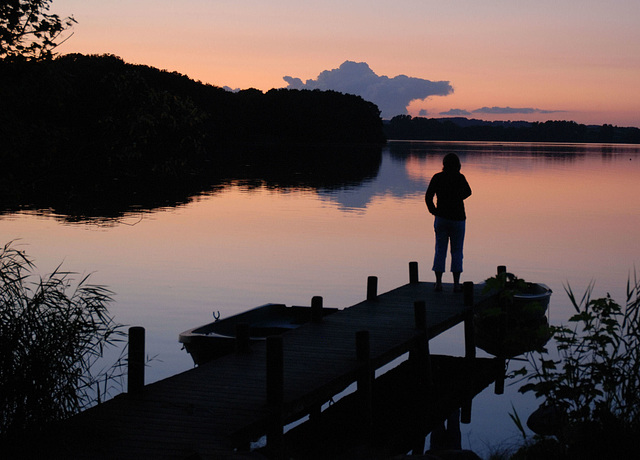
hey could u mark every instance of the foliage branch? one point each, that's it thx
(505, 285)
(28, 31)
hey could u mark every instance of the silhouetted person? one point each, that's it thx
(451, 188)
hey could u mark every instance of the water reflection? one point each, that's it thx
(548, 149)
(407, 166)
(393, 180)
(350, 176)
(404, 411)
(107, 200)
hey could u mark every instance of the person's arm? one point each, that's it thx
(466, 189)
(428, 198)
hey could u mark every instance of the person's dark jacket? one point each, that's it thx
(450, 188)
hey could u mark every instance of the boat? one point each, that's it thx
(511, 327)
(218, 338)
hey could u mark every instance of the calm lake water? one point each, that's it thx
(559, 214)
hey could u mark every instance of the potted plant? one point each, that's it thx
(512, 319)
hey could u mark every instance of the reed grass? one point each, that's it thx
(53, 334)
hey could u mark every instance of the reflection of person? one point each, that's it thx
(450, 188)
(449, 437)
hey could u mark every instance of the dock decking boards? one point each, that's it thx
(209, 411)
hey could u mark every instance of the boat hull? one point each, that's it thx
(216, 339)
(512, 328)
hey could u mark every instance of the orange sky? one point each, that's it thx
(574, 60)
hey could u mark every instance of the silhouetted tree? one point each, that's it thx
(28, 30)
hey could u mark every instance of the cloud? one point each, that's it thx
(294, 83)
(456, 113)
(512, 110)
(391, 95)
(550, 111)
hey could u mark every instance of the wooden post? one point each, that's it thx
(363, 345)
(469, 336)
(421, 354)
(315, 411)
(465, 411)
(275, 395)
(372, 288)
(242, 338)
(420, 314)
(135, 383)
(469, 331)
(499, 387)
(467, 290)
(365, 378)
(413, 272)
(316, 309)
(275, 370)
(469, 349)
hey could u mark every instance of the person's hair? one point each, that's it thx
(451, 162)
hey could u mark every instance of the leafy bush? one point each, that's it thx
(505, 284)
(51, 336)
(594, 385)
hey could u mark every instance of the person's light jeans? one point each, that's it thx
(448, 230)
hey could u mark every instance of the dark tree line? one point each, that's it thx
(81, 107)
(461, 129)
(83, 127)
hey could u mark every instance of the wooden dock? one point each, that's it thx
(215, 410)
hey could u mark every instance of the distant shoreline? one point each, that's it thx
(465, 129)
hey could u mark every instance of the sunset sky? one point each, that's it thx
(487, 59)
